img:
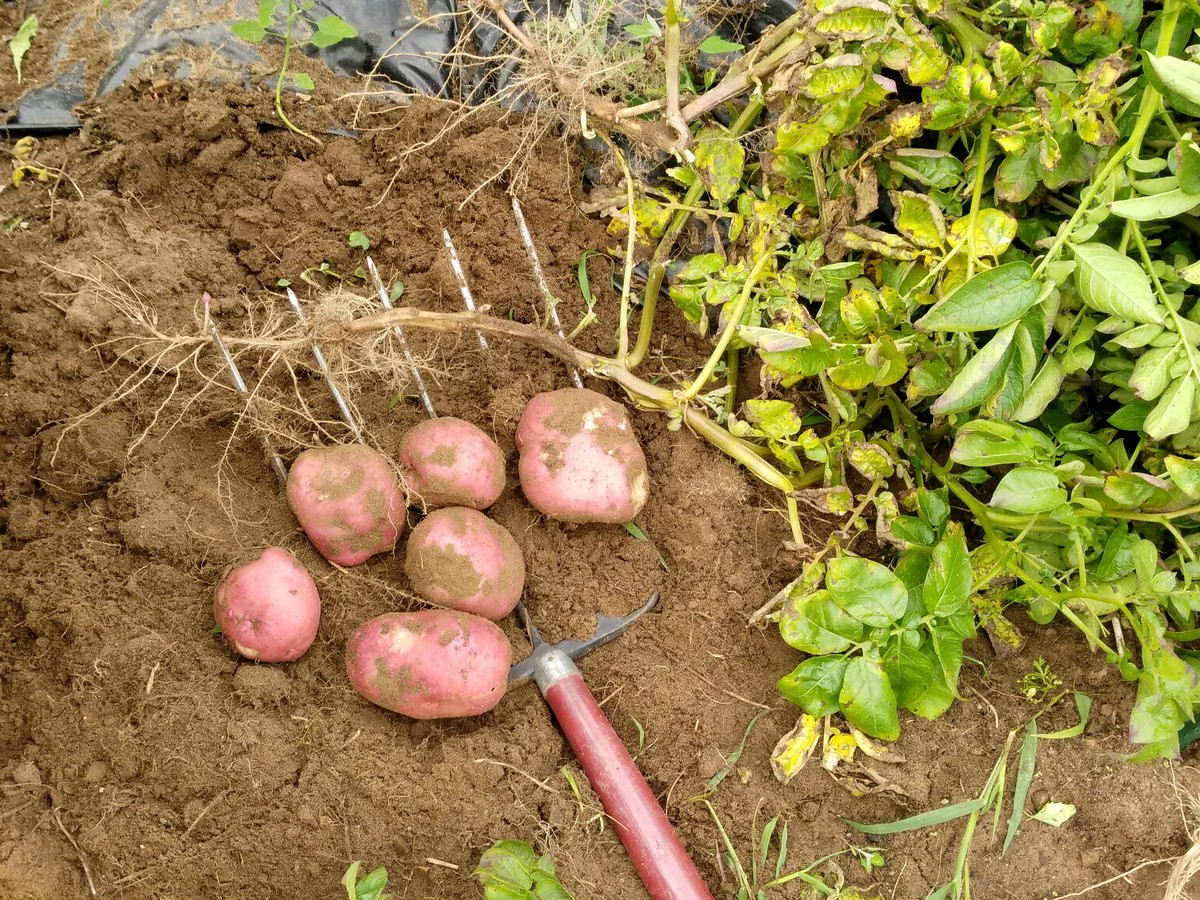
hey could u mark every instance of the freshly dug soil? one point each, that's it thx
(180, 771)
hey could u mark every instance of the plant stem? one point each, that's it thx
(1136, 232)
(740, 126)
(735, 319)
(671, 41)
(733, 85)
(731, 380)
(292, 12)
(981, 165)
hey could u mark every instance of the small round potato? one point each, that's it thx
(450, 462)
(348, 501)
(432, 664)
(458, 557)
(580, 460)
(268, 609)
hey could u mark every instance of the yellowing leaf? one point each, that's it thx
(795, 748)
(993, 233)
(919, 219)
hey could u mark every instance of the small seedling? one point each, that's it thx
(369, 887)
(511, 870)
(763, 877)
(1039, 682)
(19, 44)
(16, 223)
(328, 30)
(359, 241)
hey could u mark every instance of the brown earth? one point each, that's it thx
(134, 743)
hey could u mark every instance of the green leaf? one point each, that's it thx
(303, 81)
(1152, 372)
(814, 685)
(19, 43)
(1028, 490)
(909, 670)
(1174, 411)
(817, 625)
(1111, 282)
(938, 816)
(948, 584)
(991, 299)
(715, 45)
(332, 30)
(249, 31)
(1154, 207)
(1041, 391)
(866, 590)
(980, 377)
(359, 241)
(1025, 771)
(1185, 474)
(867, 699)
(371, 885)
(936, 696)
(986, 442)
(1178, 80)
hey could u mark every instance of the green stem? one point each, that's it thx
(735, 319)
(1136, 232)
(731, 381)
(981, 166)
(292, 12)
(666, 244)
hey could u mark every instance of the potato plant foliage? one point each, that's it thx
(965, 251)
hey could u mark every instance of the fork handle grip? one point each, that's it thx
(657, 854)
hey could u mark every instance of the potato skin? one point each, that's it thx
(431, 664)
(451, 462)
(268, 609)
(348, 501)
(458, 557)
(580, 460)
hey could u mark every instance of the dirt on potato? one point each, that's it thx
(136, 750)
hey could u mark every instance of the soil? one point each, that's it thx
(136, 750)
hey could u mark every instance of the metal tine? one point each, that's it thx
(239, 384)
(463, 287)
(531, 253)
(418, 381)
(343, 407)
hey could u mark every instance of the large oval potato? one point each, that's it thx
(268, 609)
(458, 557)
(580, 460)
(348, 501)
(432, 664)
(450, 462)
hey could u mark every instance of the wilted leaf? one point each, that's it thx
(993, 232)
(918, 218)
(20, 42)
(795, 748)
(720, 158)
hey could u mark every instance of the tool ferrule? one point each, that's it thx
(553, 666)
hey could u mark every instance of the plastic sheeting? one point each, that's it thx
(406, 47)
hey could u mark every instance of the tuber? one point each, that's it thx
(268, 609)
(450, 462)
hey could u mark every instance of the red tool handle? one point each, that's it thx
(643, 827)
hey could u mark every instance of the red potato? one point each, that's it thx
(348, 501)
(268, 609)
(580, 460)
(458, 557)
(450, 462)
(432, 664)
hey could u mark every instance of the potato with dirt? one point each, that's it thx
(431, 664)
(348, 500)
(580, 460)
(451, 462)
(459, 558)
(268, 609)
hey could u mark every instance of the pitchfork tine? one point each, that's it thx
(464, 288)
(531, 253)
(342, 405)
(418, 381)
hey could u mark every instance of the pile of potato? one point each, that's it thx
(579, 462)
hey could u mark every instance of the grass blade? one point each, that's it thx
(1025, 769)
(1083, 703)
(922, 820)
